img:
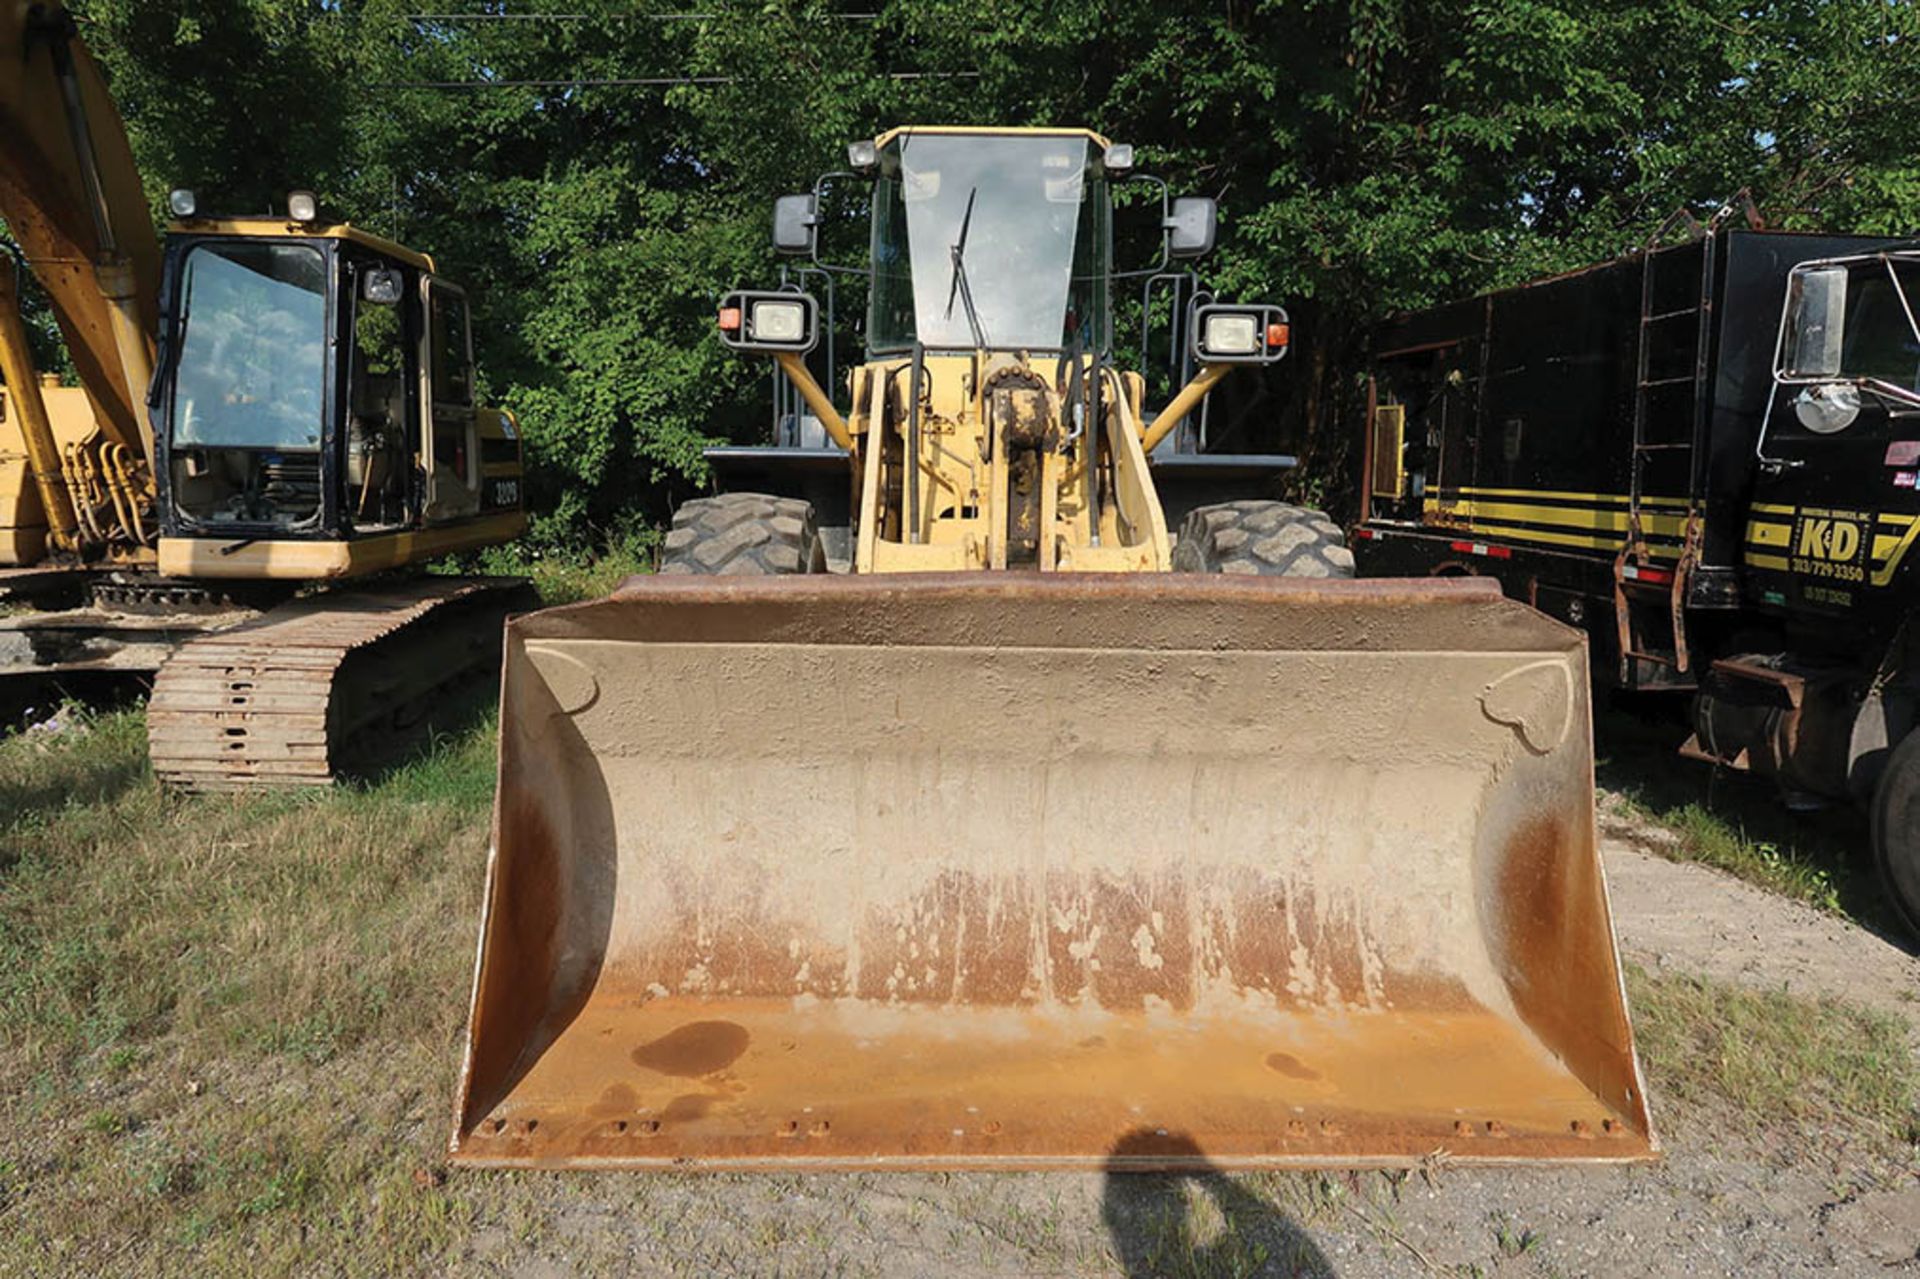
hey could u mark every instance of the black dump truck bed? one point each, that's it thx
(1535, 425)
(1708, 457)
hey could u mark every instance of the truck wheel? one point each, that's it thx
(1270, 539)
(1896, 830)
(743, 534)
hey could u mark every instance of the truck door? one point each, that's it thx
(450, 451)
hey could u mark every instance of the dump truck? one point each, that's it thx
(968, 818)
(1704, 454)
(267, 406)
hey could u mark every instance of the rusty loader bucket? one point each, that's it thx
(1024, 871)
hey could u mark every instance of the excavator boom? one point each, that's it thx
(70, 196)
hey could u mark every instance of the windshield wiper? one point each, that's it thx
(958, 284)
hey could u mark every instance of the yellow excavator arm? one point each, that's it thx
(72, 201)
(71, 197)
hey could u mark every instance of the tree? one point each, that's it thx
(1369, 155)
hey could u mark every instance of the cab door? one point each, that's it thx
(450, 446)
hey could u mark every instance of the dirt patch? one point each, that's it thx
(1691, 918)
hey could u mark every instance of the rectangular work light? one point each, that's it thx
(1240, 334)
(769, 321)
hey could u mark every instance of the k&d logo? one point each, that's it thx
(1823, 538)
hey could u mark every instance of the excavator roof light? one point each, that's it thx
(302, 206)
(182, 202)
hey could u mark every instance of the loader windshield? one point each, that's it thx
(999, 241)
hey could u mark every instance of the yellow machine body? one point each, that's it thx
(1038, 839)
(79, 483)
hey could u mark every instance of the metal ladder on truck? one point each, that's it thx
(1649, 591)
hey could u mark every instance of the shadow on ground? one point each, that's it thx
(1637, 742)
(376, 757)
(32, 704)
(1197, 1222)
(22, 799)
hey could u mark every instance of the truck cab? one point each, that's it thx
(1836, 510)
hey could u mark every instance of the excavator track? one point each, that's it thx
(315, 687)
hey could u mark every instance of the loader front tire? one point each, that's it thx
(1265, 539)
(743, 534)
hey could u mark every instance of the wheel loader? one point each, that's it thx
(267, 405)
(933, 807)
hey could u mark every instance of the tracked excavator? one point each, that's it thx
(267, 406)
(933, 807)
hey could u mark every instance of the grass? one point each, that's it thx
(1732, 823)
(229, 1029)
(1712, 838)
(1779, 1067)
(565, 574)
(217, 1014)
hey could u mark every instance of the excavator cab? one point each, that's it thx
(315, 386)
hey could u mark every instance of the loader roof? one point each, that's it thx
(1098, 140)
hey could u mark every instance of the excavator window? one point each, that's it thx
(249, 386)
(380, 441)
(453, 489)
(252, 370)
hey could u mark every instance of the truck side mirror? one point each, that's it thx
(793, 224)
(1190, 226)
(1816, 319)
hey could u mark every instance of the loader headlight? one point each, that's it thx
(1231, 335)
(782, 322)
(1240, 334)
(302, 206)
(768, 321)
(863, 157)
(182, 203)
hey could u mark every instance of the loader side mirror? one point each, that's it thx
(1190, 226)
(1816, 320)
(1240, 334)
(793, 224)
(769, 321)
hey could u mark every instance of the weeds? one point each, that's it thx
(565, 572)
(1775, 1064)
(1703, 836)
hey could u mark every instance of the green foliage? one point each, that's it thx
(1369, 155)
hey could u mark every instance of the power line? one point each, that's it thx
(635, 82)
(606, 17)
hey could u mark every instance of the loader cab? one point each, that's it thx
(315, 383)
(990, 242)
(999, 429)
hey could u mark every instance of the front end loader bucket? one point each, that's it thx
(1025, 871)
